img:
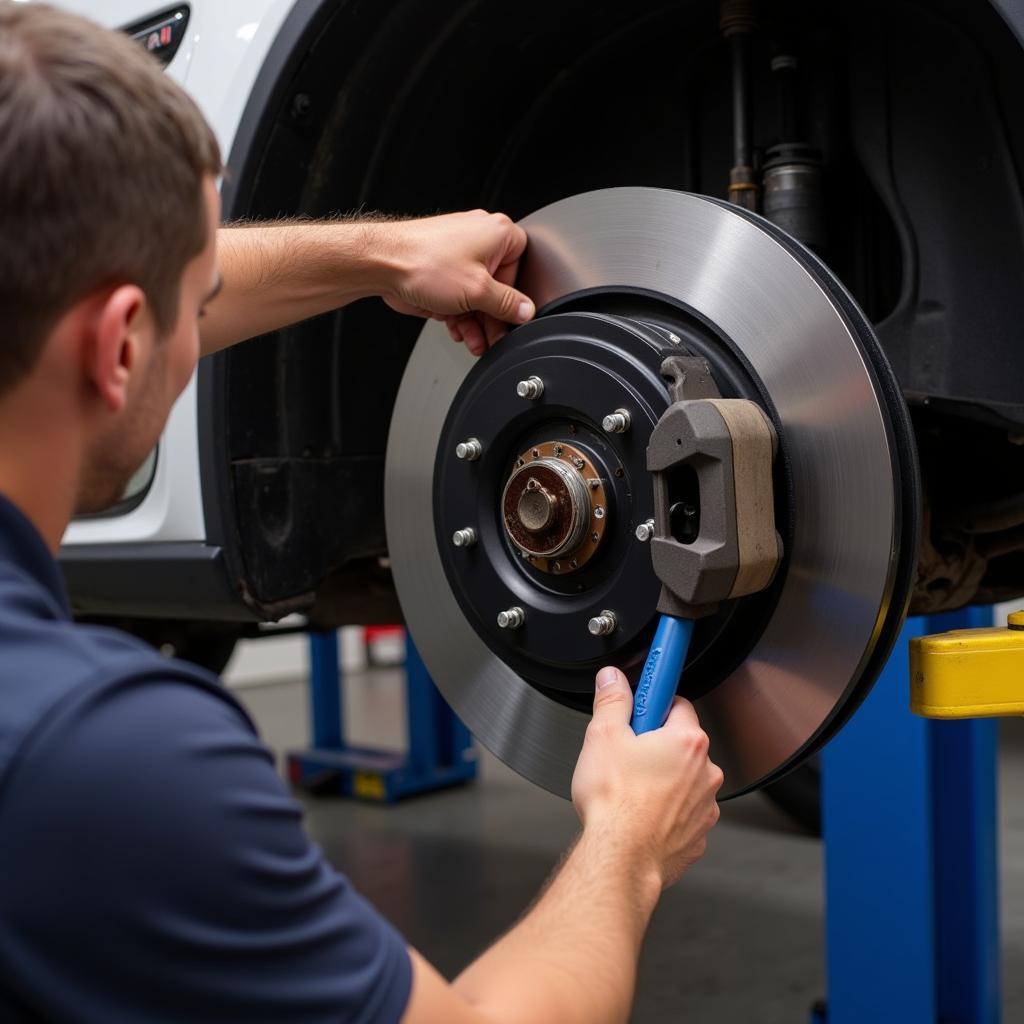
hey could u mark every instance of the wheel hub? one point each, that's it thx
(554, 507)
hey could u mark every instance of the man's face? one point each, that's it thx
(165, 365)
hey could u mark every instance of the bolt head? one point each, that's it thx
(617, 422)
(511, 618)
(531, 388)
(599, 512)
(645, 531)
(674, 338)
(469, 451)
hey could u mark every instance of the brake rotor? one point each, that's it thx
(501, 568)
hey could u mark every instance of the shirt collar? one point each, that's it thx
(22, 545)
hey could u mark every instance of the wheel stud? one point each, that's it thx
(464, 538)
(511, 618)
(603, 624)
(645, 531)
(531, 388)
(469, 451)
(617, 422)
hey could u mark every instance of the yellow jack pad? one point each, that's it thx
(969, 673)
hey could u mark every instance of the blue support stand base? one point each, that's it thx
(910, 828)
(440, 750)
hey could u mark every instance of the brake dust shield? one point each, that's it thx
(623, 278)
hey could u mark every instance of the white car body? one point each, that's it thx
(218, 63)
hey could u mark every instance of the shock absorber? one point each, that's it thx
(793, 195)
(738, 21)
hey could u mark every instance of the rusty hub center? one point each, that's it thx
(554, 507)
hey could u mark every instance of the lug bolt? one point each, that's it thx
(674, 338)
(469, 451)
(603, 624)
(532, 388)
(645, 531)
(617, 422)
(511, 618)
(464, 538)
(599, 512)
(578, 462)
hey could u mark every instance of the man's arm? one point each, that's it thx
(459, 268)
(647, 803)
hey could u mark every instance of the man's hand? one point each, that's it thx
(653, 794)
(460, 268)
(646, 802)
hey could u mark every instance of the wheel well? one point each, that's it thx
(413, 112)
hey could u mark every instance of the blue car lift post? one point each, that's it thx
(440, 753)
(911, 871)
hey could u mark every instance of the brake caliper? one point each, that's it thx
(714, 511)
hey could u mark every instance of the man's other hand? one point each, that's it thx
(459, 268)
(652, 795)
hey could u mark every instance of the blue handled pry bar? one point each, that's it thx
(660, 677)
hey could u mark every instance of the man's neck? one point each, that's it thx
(39, 464)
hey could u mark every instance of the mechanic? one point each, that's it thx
(153, 865)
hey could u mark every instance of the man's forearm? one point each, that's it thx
(278, 274)
(572, 958)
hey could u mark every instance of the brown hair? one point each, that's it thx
(102, 159)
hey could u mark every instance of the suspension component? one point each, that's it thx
(738, 21)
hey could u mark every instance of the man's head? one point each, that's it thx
(108, 212)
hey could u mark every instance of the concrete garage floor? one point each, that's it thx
(739, 940)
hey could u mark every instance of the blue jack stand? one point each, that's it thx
(910, 827)
(440, 750)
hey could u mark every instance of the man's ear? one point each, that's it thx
(115, 352)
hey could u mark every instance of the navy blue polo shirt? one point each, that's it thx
(152, 865)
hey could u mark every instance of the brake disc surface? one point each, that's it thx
(851, 478)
